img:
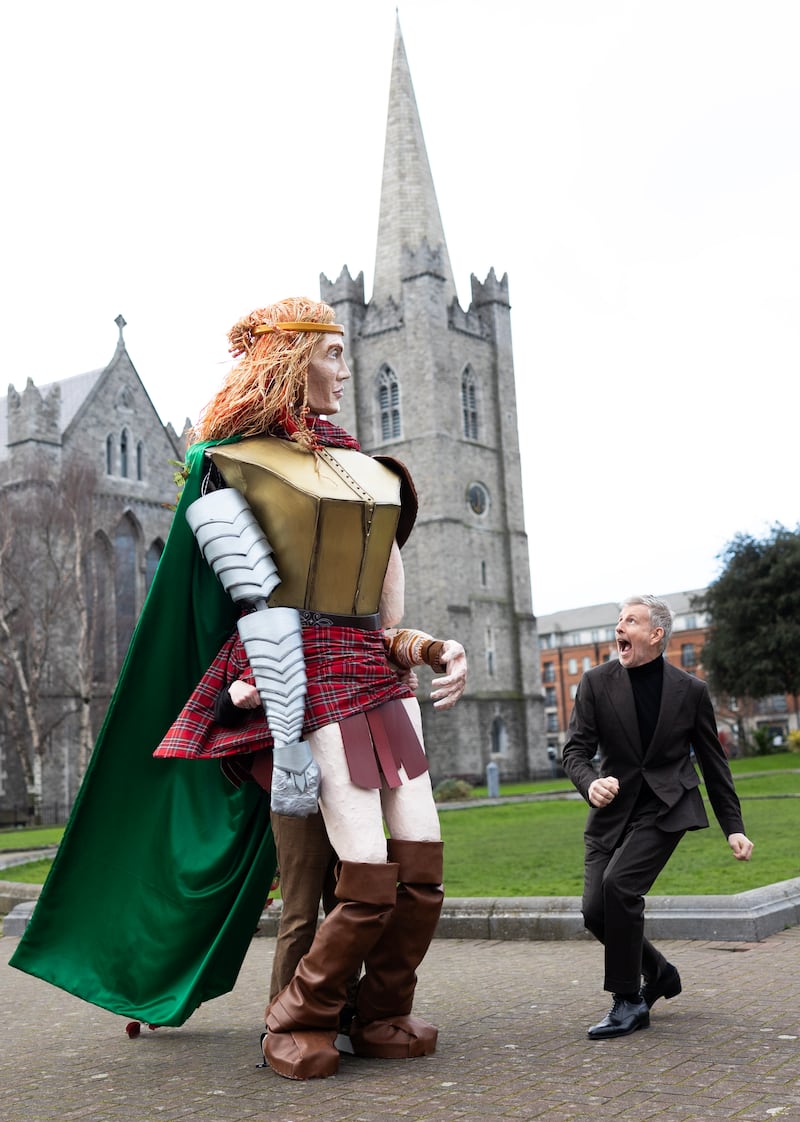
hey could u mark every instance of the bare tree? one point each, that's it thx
(48, 613)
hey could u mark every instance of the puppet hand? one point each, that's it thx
(446, 691)
(295, 780)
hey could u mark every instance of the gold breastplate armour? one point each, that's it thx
(330, 518)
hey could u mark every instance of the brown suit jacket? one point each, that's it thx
(604, 719)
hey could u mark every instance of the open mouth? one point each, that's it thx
(623, 645)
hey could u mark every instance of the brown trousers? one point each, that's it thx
(307, 864)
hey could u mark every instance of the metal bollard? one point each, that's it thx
(492, 780)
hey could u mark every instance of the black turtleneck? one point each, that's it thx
(647, 681)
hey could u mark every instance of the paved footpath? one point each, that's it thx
(512, 1045)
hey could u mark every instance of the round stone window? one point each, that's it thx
(478, 498)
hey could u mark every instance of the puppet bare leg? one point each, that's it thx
(383, 1026)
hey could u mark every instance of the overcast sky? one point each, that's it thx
(633, 166)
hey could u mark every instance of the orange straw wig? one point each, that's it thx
(268, 385)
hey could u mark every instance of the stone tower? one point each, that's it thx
(434, 386)
(34, 430)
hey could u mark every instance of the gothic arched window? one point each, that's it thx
(109, 455)
(151, 561)
(123, 454)
(140, 461)
(469, 404)
(125, 566)
(98, 591)
(389, 403)
(499, 737)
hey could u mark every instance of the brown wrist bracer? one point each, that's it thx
(406, 647)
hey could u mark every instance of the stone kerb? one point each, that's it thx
(745, 917)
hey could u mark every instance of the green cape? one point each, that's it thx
(164, 867)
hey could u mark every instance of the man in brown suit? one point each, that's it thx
(646, 718)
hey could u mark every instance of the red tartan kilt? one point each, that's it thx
(347, 673)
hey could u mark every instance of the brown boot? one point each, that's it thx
(302, 1021)
(383, 1027)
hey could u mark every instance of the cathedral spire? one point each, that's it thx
(410, 226)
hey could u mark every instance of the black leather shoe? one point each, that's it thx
(625, 1017)
(667, 984)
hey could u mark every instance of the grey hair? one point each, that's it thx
(661, 615)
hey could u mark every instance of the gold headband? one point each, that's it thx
(299, 325)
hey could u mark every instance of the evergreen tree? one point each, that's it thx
(753, 649)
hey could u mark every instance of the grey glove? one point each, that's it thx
(295, 780)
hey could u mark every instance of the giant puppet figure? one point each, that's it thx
(299, 533)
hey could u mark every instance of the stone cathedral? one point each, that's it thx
(434, 386)
(106, 417)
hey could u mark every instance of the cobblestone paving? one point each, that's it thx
(512, 1019)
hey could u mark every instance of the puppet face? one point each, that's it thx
(327, 373)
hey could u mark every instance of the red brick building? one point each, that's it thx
(579, 638)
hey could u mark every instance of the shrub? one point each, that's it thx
(452, 791)
(764, 742)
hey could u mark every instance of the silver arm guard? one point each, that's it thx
(273, 642)
(236, 548)
(234, 545)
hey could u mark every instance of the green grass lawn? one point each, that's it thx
(32, 872)
(536, 848)
(33, 837)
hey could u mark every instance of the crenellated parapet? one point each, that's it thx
(344, 290)
(425, 262)
(492, 291)
(33, 416)
(382, 317)
(469, 322)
